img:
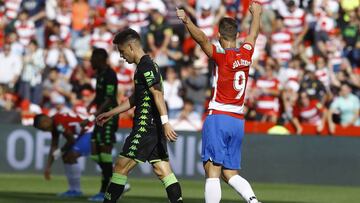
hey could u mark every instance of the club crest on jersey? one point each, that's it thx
(241, 62)
(247, 46)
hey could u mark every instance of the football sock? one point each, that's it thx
(106, 169)
(212, 190)
(115, 188)
(173, 188)
(243, 187)
(73, 174)
(95, 158)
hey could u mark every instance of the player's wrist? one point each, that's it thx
(164, 119)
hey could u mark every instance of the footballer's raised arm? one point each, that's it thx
(198, 35)
(255, 10)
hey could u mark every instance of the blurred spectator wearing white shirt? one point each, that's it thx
(187, 119)
(54, 53)
(10, 69)
(172, 90)
(31, 76)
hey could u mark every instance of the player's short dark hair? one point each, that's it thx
(37, 120)
(228, 28)
(125, 36)
(99, 54)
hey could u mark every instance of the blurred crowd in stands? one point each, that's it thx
(306, 65)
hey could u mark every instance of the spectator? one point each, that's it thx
(174, 53)
(10, 68)
(158, 38)
(25, 28)
(347, 106)
(281, 42)
(16, 47)
(101, 37)
(57, 48)
(56, 90)
(37, 14)
(172, 93)
(63, 17)
(80, 18)
(116, 16)
(30, 87)
(187, 119)
(308, 111)
(12, 8)
(313, 87)
(195, 85)
(268, 90)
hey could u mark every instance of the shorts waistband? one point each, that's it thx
(235, 115)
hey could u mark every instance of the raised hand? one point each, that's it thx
(181, 14)
(255, 8)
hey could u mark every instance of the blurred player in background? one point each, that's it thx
(103, 137)
(77, 144)
(147, 140)
(223, 130)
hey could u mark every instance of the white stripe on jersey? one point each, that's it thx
(226, 107)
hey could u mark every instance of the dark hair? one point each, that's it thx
(228, 28)
(125, 36)
(99, 54)
(37, 120)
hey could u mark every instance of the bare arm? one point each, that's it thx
(160, 104)
(255, 10)
(297, 125)
(198, 35)
(126, 105)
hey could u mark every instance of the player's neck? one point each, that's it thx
(138, 55)
(228, 44)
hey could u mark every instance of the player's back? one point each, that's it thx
(230, 78)
(69, 122)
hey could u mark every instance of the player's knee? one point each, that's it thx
(227, 174)
(124, 166)
(162, 169)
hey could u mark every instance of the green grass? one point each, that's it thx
(33, 188)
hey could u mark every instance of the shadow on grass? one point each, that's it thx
(26, 197)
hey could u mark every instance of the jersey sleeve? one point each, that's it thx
(247, 51)
(59, 127)
(151, 75)
(218, 54)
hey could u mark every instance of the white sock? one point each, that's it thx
(73, 174)
(243, 187)
(212, 190)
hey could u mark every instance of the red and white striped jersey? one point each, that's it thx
(281, 45)
(230, 80)
(294, 21)
(310, 114)
(137, 13)
(25, 31)
(12, 8)
(260, 44)
(64, 19)
(114, 16)
(101, 40)
(124, 75)
(206, 24)
(323, 75)
(266, 103)
(334, 47)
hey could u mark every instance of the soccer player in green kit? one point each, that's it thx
(151, 129)
(103, 137)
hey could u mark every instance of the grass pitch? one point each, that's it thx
(34, 189)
